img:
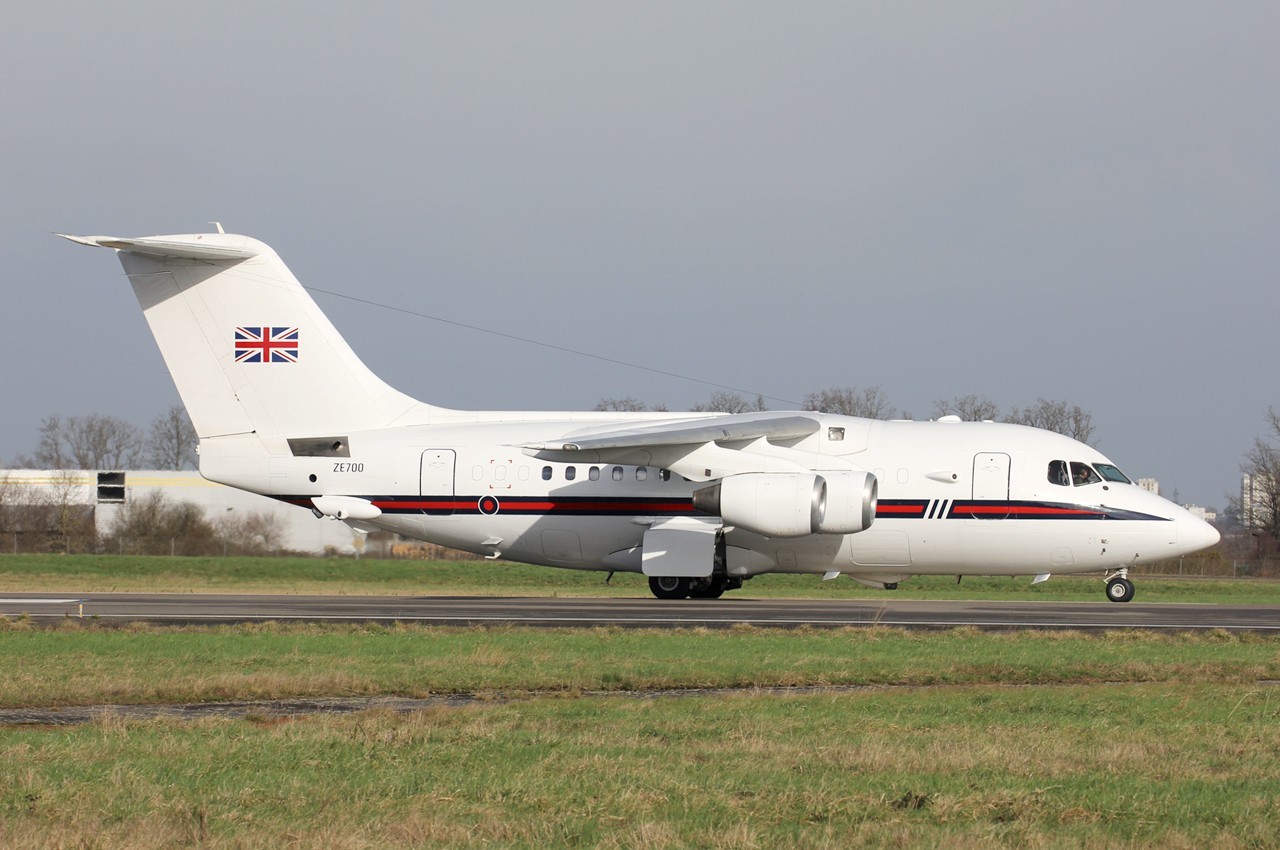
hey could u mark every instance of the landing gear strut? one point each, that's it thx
(1120, 589)
(710, 587)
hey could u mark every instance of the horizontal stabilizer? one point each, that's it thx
(199, 246)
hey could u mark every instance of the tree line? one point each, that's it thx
(96, 441)
(873, 403)
(53, 518)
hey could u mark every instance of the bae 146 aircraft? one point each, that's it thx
(696, 502)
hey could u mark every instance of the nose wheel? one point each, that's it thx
(1120, 589)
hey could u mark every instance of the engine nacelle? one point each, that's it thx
(773, 504)
(851, 502)
(793, 504)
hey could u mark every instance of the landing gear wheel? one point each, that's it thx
(669, 587)
(707, 588)
(1119, 590)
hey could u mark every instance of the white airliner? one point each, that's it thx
(696, 502)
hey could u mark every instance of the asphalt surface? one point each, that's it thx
(639, 612)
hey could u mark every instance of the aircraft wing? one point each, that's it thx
(701, 449)
(747, 426)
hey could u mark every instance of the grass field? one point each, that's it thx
(78, 664)
(1163, 765)
(961, 739)
(81, 573)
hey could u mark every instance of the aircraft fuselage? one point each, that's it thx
(954, 497)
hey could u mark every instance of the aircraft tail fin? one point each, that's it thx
(246, 345)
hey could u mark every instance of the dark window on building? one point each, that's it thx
(110, 487)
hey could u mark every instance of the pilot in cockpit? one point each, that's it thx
(1083, 474)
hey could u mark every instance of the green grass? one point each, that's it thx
(98, 573)
(963, 739)
(79, 663)
(1167, 765)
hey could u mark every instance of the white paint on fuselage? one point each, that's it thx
(932, 462)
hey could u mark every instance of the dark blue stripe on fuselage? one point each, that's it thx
(656, 506)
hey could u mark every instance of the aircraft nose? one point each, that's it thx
(1195, 534)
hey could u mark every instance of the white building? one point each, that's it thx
(1203, 513)
(1151, 485)
(106, 492)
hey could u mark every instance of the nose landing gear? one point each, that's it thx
(1119, 588)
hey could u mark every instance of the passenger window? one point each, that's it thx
(641, 473)
(477, 473)
(500, 473)
(1082, 474)
(546, 473)
(570, 473)
(594, 473)
(835, 435)
(1058, 473)
(664, 474)
(617, 473)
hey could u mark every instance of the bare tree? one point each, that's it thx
(86, 442)
(254, 533)
(152, 525)
(626, 404)
(1059, 416)
(723, 401)
(970, 408)
(171, 442)
(869, 402)
(1260, 497)
(51, 517)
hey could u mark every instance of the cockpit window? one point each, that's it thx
(1058, 473)
(1082, 474)
(1110, 473)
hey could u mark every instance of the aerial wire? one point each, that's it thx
(549, 345)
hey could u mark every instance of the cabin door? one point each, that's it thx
(991, 484)
(437, 481)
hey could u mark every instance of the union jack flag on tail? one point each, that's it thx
(266, 345)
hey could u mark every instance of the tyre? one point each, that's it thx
(669, 587)
(1120, 590)
(710, 588)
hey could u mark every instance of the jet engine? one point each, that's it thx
(792, 504)
(851, 502)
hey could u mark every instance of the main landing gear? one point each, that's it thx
(675, 587)
(1120, 589)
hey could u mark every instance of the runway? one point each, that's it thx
(541, 612)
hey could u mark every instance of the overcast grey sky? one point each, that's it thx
(1064, 200)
